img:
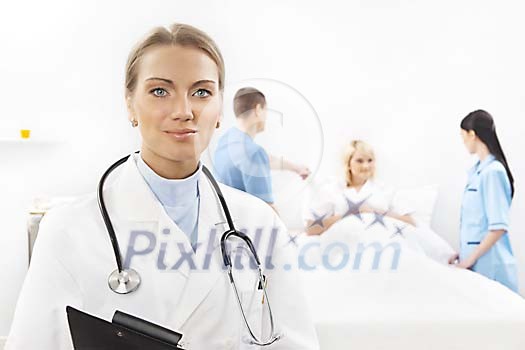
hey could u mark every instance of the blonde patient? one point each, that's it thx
(359, 187)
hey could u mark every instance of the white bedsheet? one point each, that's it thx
(422, 304)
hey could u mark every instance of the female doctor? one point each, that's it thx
(485, 245)
(166, 216)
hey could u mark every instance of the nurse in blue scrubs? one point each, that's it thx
(485, 246)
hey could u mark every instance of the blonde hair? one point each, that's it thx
(176, 34)
(350, 150)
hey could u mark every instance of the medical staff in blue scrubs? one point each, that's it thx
(239, 161)
(484, 235)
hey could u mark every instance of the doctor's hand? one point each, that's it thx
(302, 171)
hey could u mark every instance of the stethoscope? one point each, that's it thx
(124, 281)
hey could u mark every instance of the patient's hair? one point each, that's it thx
(176, 34)
(350, 150)
(483, 125)
(246, 99)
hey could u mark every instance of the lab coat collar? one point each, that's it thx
(132, 200)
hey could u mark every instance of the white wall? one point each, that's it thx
(400, 75)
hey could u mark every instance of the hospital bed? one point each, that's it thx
(422, 303)
(408, 303)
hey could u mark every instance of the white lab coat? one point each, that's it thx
(73, 258)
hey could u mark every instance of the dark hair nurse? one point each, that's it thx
(484, 234)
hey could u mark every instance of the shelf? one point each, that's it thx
(30, 141)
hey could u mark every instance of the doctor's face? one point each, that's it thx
(177, 104)
(261, 114)
(362, 166)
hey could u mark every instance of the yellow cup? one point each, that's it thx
(25, 133)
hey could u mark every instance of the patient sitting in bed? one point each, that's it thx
(357, 194)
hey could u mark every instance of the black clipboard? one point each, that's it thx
(125, 332)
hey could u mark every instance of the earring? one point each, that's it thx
(134, 123)
(218, 125)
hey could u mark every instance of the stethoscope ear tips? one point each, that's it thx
(124, 282)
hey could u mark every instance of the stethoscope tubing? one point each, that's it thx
(105, 214)
(120, 277)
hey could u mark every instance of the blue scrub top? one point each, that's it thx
(241, 163)
(486, 207)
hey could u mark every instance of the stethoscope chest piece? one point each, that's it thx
(124, 282)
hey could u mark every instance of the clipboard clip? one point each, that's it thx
(147, 328)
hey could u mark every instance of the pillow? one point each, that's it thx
(418, 201)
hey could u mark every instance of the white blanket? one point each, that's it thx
(416, 303)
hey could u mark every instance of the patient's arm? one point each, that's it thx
(313, 230)
(405, 218)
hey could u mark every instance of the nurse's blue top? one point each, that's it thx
(486, 207)
(179, 197)
(241, 163)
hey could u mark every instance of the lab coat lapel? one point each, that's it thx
(129, 198)
(131, 204)
(202, 280)
(133, 207)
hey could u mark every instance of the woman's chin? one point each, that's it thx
(178, 156)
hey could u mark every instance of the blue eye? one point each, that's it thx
(202, 93)
(159, 92)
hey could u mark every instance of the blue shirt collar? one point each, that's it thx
(480, 165)
(171, 192)
(241, 134)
